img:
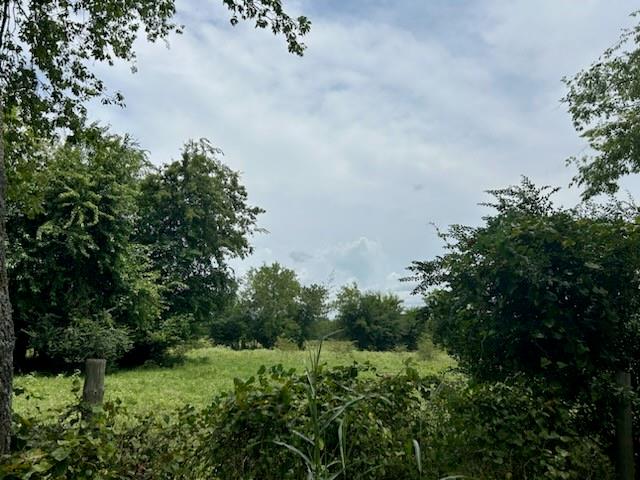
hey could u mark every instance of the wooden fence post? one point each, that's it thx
(624, 440)
(93, 391)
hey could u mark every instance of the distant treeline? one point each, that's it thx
(272, 304)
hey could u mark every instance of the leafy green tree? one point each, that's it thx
(539, 290)
(371, 319)
(194, 217)
(232, 326)
(47, 50)
(79, 286)
(272, 304)
(414, 325)
(604, 102)
(313, 309)
(270, 299)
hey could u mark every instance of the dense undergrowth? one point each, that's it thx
(340, 422)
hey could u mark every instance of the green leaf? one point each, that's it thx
(60, 454)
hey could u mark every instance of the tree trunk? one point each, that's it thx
(6, 323)
(624, 438)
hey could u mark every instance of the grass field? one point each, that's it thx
(205, 373)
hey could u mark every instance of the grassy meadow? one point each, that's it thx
(204, 373)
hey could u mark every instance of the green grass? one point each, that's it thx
(205, 373)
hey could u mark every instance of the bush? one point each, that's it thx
(104, 443)
(507, 430)
(90, 338)
(426, 349)
(486, 432)
(327, 423)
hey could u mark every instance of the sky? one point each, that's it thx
(398, 118)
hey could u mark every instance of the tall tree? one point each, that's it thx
(604, 103)
(371, 319)
(47, 50)
(79, 285)
(272, 304)
(194, 217)
(271, 298)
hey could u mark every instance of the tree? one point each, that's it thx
(194, 217)
(414, 325)
(272, 304)
(270, 299)
(313, 309)
(604, 103)
(80, 286)
(372, 319)
(47, 49)
(538, 290)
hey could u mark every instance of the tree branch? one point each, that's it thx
(5, 17)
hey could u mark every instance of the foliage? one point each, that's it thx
(271, 301)
(372, 320)
(484, 432)
(109, 256)
(507, 430)
(277, 413)
(75, 273)
(313, 309)
(603, 102)
(272, 304)
(47, 51)
(324, 327)
(426, 349)
(345, 420)
(73, 448)
(539, 290)
(108, 444)
(86, 338)
(45, 45)
(194, 217)
(413, 326)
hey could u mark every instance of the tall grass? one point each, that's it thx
(205, 373)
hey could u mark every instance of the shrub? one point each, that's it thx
(90, 338)
(327, 423)
(426, 348)
(382, 426)
(507, 430)
(106, 444)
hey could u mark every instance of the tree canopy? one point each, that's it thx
(371, 319)
(272, 304)
(538, 290)
(108, 254)
(604, 104)
(47, 48)
(193, 218)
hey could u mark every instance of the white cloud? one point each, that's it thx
(334, 144)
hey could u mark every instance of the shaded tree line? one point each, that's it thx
(272, 303)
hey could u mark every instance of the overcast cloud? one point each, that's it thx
(401, 113)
